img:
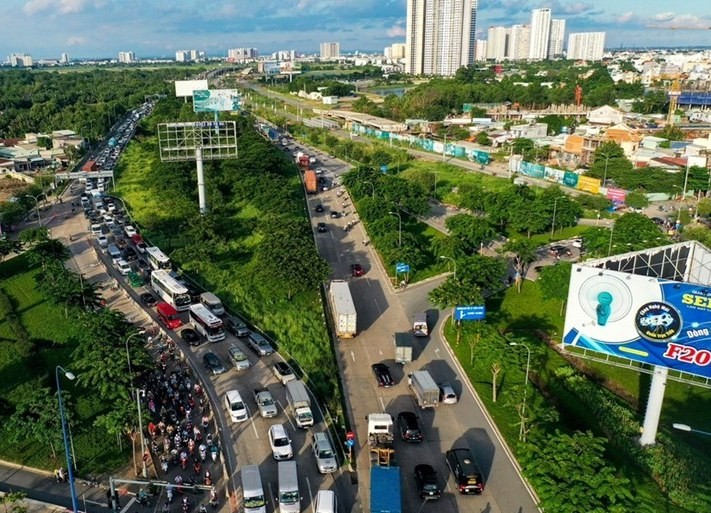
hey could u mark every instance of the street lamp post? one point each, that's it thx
(525, 383)
(689, 429)
(454, 275)
(36, 198)
(138, 404)
(555, 205)
(399, 230)
(70, 472)
(128, 354)
(683, 193)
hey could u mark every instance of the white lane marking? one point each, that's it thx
(272, 497)
(382, 403)
(288, 417)
(311, 495)
(254, 427)
(352, 356)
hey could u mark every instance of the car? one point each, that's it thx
(121, 242)
(259, 344)
(426, 479)
(357, 270)
(382, 375)
(447, 395)
(283, 372)
(319, 208)
(577, 243)
(123, 267)
(96, 229)
(103, 241)
(238, 358)
(559, 251)
(658, 220)
(130, 254)
(335, 214)
(280, 443)
(236, 327)
(130, 231)
(190, 336)
(409, 426)
(235, 405)
(148, 299)
(321, 228)
(324, 454)
(141, 247)
(212, 363)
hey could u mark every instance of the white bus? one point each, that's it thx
(158, 259)
(170, 290)
(206, 323)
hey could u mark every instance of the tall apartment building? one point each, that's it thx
(588, 46)
(540, 33)
(441, 36)
(242, 54)
(482, 46)
(20, 60)
(64, 59)
(497, 46)
(330, 50)
(556, 39)
(126, 57)
(519, 42)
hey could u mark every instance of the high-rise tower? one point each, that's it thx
(540, 33)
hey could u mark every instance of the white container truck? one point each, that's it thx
(344, 312)
(300, 403)
(424, 389)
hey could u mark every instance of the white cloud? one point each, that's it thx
(626, 17)
(76, 41)
(664, 16)
(35, 6)
(71, 6)
(54, 6)
(396, 31)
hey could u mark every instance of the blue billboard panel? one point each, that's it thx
(650, 320)
(469, 313)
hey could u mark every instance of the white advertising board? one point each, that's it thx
(185, 88)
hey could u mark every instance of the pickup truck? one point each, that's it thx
(265, 403)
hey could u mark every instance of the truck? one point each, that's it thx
(310, 182)
(420, 328)
(300, 403)
(403, 347)
(343, 309)
(385, 494)
(302, 159)
(424, 389)
(265, 402)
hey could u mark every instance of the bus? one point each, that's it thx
(168, 315)
(206, 323)
(170, 290)
(158, 259)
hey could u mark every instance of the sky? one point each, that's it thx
(155, 28)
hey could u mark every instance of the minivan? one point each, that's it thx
(236, 406)
(212, 302)
(168, 315)
(465, 471)
(289, 498)
(326, 502)
(252, 490)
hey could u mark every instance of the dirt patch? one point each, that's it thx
(10, 187)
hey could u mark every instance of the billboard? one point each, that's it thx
(651, 320)
(216, 100)
(586, 183)
(185, 88)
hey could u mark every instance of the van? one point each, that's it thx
(212, 302)
(123, 267)
(96, 229)
(326, 502)
(419, 325)
(236, 407)
(289, 498)
(168, 315)
(465, 471)
(252, 490)
(114, 253)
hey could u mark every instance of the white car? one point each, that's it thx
(280, 443)
(130, 231)
(447, 395)
(96, 229)
(123, 267)
(236, 407)
(103, 241)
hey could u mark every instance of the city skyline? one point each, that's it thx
(101, 28)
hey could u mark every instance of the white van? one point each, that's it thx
(289, 498)
(236, 407)
(212, 302)
(326, 502)
(123, 267)
(252, 490)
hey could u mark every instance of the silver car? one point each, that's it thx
(238, 358)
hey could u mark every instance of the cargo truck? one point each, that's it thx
(344, 312)
(403, 347)
(310, 182)
(385, 494)
(300, 403)
(424, 389)
(419, 325)
(302, 159)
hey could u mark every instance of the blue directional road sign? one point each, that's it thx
(350, 443)
(469, 313)
(402, 268)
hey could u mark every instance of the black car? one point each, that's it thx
(319, 208)
(382, 375)
(321, 227)
(559, 251)
(236, 327)
(129, 254)
(213, 363)
(148, 299)
(409, 426)
(335, 215)
(426, 479)
(190, 336)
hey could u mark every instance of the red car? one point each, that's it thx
(357, 270)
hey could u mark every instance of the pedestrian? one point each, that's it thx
(56, 475)
(62, 476)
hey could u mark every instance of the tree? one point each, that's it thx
(483, 138)
(470, 231)
(495, 370)
(13, 502)
(36, 416)
(456, 293)
(554, 280)
(8, 246)
(636, 200)
(523, 252)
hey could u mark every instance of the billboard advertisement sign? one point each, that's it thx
(185, 88)
(570, 179)
(616, 194)
(650, 320)
(586, 183)
(216, 100)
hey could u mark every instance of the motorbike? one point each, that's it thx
(213, 497)
(208, 478)
(213, 452)
(169, 493)
(142, 498)
(186, 505)
(164, 464)
(184, 460)
(203, 452)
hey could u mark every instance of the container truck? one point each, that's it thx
(424, 389)
(310, 182)
(385, 494)
(344, 312)
(300, 403)
(403, 347)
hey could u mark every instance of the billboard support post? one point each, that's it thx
(202, 202)
(654, 406)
